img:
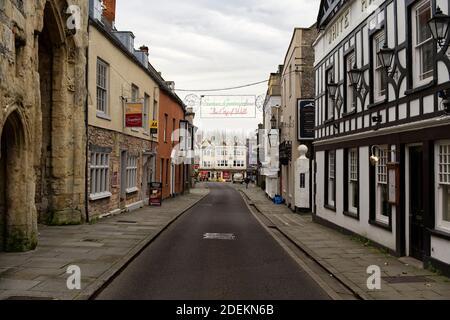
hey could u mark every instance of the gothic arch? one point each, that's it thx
(13, 189)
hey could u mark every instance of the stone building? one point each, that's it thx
(297, 92)
(42, 116)
(122, 155)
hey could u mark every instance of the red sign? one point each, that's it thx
(133, 115)
(226, 175)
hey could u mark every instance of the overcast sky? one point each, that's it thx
(206, 44)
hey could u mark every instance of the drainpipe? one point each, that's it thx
(86, 119)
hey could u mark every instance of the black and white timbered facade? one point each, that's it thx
(383, 142)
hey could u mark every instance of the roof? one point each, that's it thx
(108, 32)
(327, 10)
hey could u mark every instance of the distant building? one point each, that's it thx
(220, 161)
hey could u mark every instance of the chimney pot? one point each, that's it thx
(144, 49)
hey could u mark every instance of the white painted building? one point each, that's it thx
(269, 151)
(222, 161)
(393, 117)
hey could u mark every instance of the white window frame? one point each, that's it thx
(353, 177)
(381, 181)
(331, 178)
(418, 74)
(99, 176)
(102, 84)
(146, 113)
(349, 103)
(330, 102)
(131, 174)
(442, 178)
(379, 72)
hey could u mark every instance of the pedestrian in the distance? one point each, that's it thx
(247, 181)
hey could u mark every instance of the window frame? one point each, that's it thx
(329, 104)
(416, 53)
(382, 181)
(349, 88)
(328, 204)
(131, 173)
(99, 174)
(441, 223)
(351, 168)
(104, 89)
(379, 93)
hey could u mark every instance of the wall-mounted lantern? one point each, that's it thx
(439, 26)
(355, 76)
(386, 56)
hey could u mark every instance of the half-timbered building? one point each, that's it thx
(382, 131)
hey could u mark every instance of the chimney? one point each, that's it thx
(144, 49)
(109, 13)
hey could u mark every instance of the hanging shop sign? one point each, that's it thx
(133, 115)
(306, 113)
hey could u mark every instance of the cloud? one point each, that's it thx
(211, 43)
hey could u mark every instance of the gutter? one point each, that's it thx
(86, 119)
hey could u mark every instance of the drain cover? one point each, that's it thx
(409, 279)
(219, 236)
(129, 222)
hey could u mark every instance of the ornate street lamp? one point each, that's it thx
(439, 25)
(386, 56)
(355, 75)
(332, 89)
(273, 122)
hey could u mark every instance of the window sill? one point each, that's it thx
(420, 88)
(132, 190)
(330, 207)
(328, 121)
(100, 196)
(381, 225)
(350, 113)
(377, 104)
(440, 234)
(103, 116)
(351, 215)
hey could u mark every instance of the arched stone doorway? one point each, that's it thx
(58, 161)
(16, 228)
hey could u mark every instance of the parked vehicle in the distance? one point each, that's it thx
(238, 178)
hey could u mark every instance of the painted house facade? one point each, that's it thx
(121, 159)
(382, 147)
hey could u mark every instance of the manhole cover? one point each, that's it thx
(407, 279)
(219, 236)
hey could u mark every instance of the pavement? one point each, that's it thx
(101, 250)
(218, 250)
(347, 258)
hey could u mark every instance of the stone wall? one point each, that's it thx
(115, 143)
(48, 129)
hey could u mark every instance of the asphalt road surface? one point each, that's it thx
(182, 265)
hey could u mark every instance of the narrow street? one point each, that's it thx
(182, 265)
